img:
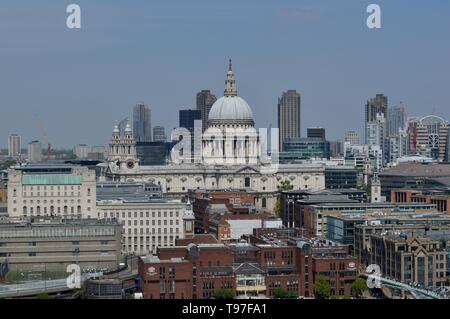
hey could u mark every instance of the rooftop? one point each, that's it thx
(419, 170)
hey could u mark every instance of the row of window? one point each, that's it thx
(51, 210)
(159, 214)
(154, 222)
(44, 187)
(31, 193)
(58, 201)
(153, 231)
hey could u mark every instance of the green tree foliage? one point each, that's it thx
(358, 287)
(6, 164)
(322, 288)
(224, 294)
(43, 296)
(284, 186)
(281, 293)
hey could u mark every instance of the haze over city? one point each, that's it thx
(77, 82)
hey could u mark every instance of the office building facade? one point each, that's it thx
(159, 134)
(289, 117)
(352, 138)
(142, 127)
(51, 244)
(205, 100)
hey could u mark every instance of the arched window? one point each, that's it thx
(65, 210)
(24, 210)
(38, 210)
(79, 209)
(14, 192)
(52, 210)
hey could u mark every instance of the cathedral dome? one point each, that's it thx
(230, 108)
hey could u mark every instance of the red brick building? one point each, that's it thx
(189, 272)
(437, 197)
(206, 204)
(253, 267)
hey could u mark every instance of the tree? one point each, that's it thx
(224, 294)
(284, 186)
(279, 293)
(7, 163)
(322, 288)
(358, 287)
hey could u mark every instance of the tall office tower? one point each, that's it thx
(375, 106)
(187, 118)
(14, 145)
(205, 100)
(376, 134)
(396, 119)
(352, 137)
(289, 116)
(34, 152)
(142, 127)
(159, 134)
(317, 132)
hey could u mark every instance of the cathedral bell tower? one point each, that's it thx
(122, 150)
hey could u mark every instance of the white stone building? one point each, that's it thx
(51, 190)
(149, 223)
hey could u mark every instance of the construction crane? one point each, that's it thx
(44, 137)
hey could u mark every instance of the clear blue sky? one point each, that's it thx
(163, 52)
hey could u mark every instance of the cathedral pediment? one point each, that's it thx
(247, 170)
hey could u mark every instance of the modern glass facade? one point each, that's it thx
(304, 148)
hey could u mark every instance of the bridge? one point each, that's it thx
(37, 287)
(416, 292)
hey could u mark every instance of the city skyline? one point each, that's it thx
(92, 77)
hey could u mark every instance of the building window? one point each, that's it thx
(247, 182)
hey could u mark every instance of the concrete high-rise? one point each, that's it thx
(142, 127)
(205, 100)
(396, 119)
(352, 137)
(14, 145)
(159, 134)
(34, 152)
(289, 107)
(374, 107)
